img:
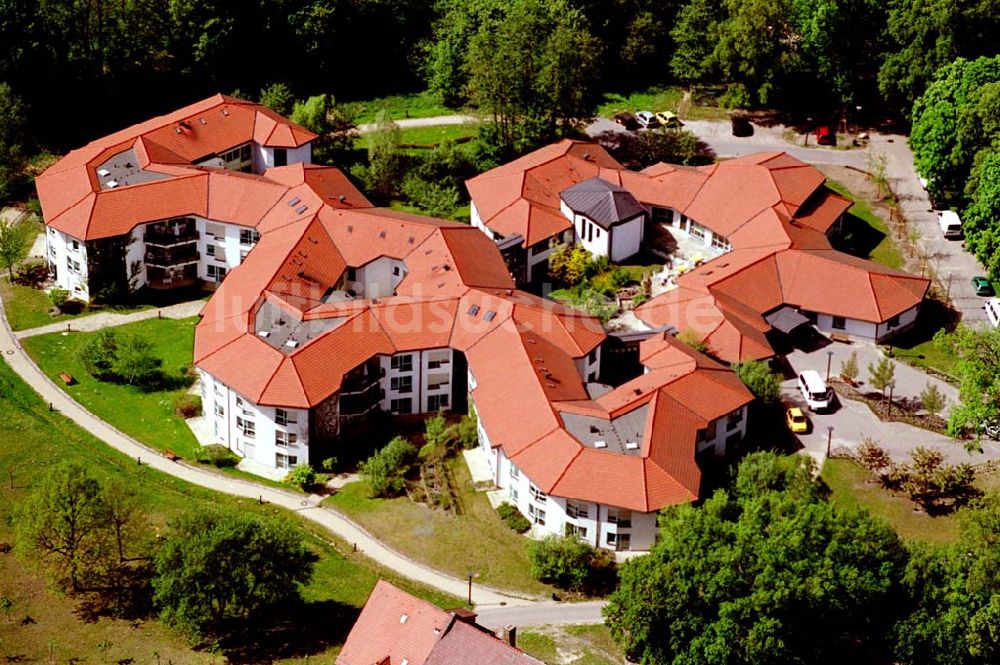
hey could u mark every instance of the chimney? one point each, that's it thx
(509, 635)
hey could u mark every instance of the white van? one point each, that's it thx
(950, 223)
(992, 307)
(814, 391)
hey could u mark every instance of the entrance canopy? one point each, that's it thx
(786, 319)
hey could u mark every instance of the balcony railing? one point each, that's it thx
(360, 385)
(168, 259)
(171, 282)
(169, 238)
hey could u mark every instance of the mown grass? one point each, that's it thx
(433, 135)
(701, 106)
(29, 307)
(42, 626)
(460, 214)
(412, 105)
(852, 486)
(147, 415)
(476, 541)
(885, 251)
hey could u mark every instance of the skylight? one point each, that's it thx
(489, 316)
(294, 202)
(474, 310)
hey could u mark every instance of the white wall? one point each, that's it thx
(725, 428)
(906, 320)
(852, 327)
(136, 252)
(61, 253)
(263, 158)
(262, 446)
(378, 278)
(589, 366)
(430, 374)
(626, 238)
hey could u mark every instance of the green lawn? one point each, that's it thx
(433, 135)
(635, 274)
(28, 307)
(874, 242)
(917, 347)
(413, 105)
(475, 541)
(572, 645)
(31, 439)
(146, 415)
(852, 486)
(702, 107)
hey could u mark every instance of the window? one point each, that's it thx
(283, 417)
(719, 242)
(402, 407)
(220, 410)
(401, 384)
(437, 383)
(403, 363)
(592, 357)
(839, 323)
(76, 244)
(893, 322)
(216, 273)
(280, 157)
(577, 531)
(242, 404)
(513, 493)
(285, 439)
(437, 402)
(248, 236)
(537, 515)
(590, 232)
(283, 461)
(733, 420)
(514, 472)
(210, 249)
(352, 274)
(664, 215)
(395, 271)
(218, 231)
(577, 509)
(621, 517)
(620, 541)
(537, 494)
(247, 426)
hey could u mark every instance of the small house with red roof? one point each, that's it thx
(395, 628)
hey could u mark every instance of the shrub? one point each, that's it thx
(566, 562)
(929, 481)
(513, 518)
(873, 458)
(187, 406)
(329, 464)
(437, 432)
(760, 380)
(849, 368)
(385, 471)
(690, 337)
(434, 199)
(468, 431)
(58, 298)
(73, 306)
(218, 456)
(568, 264)
(302, 476)
(427, 451)
(98, 353)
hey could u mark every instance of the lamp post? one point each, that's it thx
(829, 440)
(829, 360)
(857, 124)
(470, 576)
(889, 407)
(809, 122)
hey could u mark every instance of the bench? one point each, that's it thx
(67, 378)
(840, 337)
(171, 455)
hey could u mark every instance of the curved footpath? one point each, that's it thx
(308, 507)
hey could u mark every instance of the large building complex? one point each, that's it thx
(332, 312)
(767, 224)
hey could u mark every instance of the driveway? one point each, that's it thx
(853, 421)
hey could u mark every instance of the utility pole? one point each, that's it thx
(829, 359)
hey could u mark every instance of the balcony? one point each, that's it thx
(161, 258)
(171, 282)
(168, 238)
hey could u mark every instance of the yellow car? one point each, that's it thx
(796, 420)
(669, 119)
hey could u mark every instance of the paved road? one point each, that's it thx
(102, 320)
(853, 421)
(563, 614)
(307, 507)
(434, 121)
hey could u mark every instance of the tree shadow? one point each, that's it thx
(934, 315)
(290, 630)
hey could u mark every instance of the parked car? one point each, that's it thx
(669, 119)
(992, 307)
(796, 420)
(982, 286)
(626, 120)
(950, 223)
(647, 119)
(825, 135)
(741, 124)
(814, 390)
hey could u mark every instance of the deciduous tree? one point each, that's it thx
(759, 379)
(15, 237)
(977, 351)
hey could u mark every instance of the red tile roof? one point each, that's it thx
(465, 645)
